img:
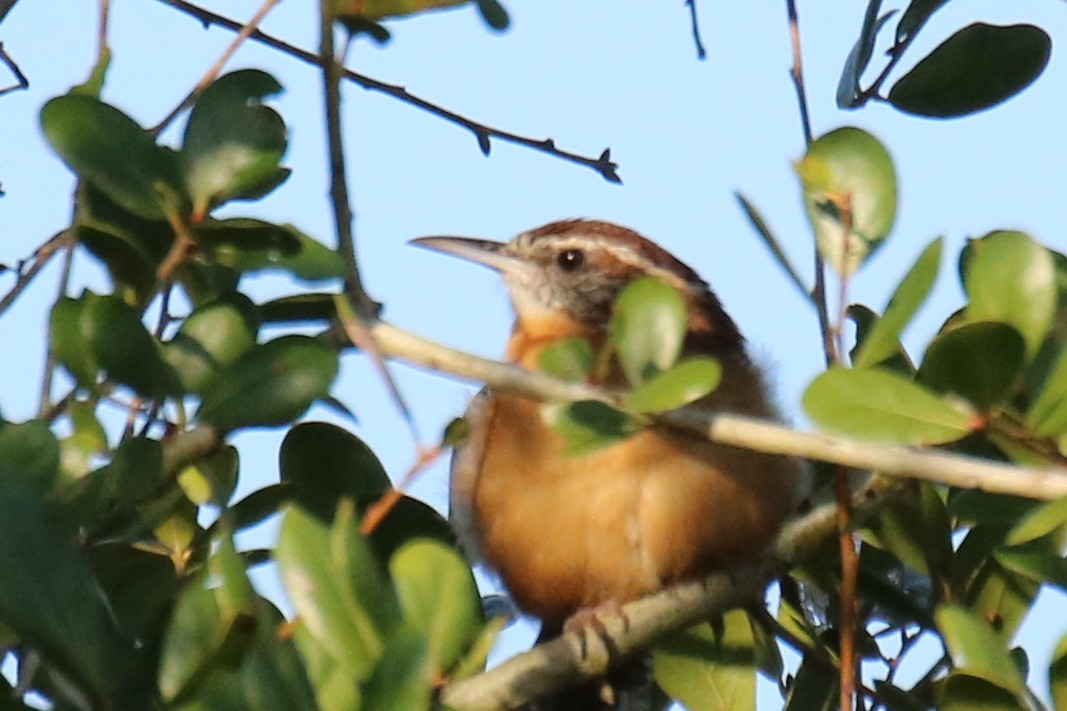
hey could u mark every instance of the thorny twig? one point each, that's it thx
(603, 164)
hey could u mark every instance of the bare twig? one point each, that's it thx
(41, 257)
(213, 71)
(603, 164)
(101, 29)
(21, 82)
(692, 5)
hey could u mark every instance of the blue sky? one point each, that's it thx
(594, 74)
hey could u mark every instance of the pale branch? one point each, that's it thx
(603, 164)
(751, 433)
(570, 659)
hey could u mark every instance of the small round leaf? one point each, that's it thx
(681, 384)
(977, 361)
(647, 328)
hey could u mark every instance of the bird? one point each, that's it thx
(572, 534)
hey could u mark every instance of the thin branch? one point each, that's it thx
(101, 28)
(603, 164)
(215, 69)
(692, 5)
(50, 361)
(21, 82)
(737, 430)
(41, 257)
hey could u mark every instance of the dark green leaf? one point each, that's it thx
(977, 68)
(125, 349)
(848, 86)
(997, 593)
(271, 384)
(303, 257)
(918, 12)
(588, 425)
(494, 14)
(29, 452)
(409, 519)
(140, 588)
(880, 405)
(977, 361)
(107, 147)
(765, 233)
(710, 672)
(135, 471)
(260, 504)
(963, 692)
(68, 343)
(865, 319)
(273, 676)
(214, 335)
(850, 192)
(883, 340)
(51, 599)
(439, 598)
(233, 143)
(302, 307)
(325, 464)
(814, 688)
(647, 328)
(568, 359)
(1048, 415)
(1010, 278)
(1036, 562)
(684, 382)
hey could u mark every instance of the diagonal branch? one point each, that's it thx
(751, 433)
(603, 164)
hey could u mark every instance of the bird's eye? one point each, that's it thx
(570, 259)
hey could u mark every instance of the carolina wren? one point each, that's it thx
(568, 534)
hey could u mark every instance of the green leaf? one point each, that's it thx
(29, 453)
(977, 649)
(403, 677)
(68, 343)
(211, 479)
(850, 192)
(883, 340)
(107, 147)
(439, 598)
(316, 308)
(194, 637)
(271, 384)
(1057, 673)
(379, 9)
(272, 674)
(917, 532)
(918, 12)
(684, 382)
(214, 335)
(977, 68)
(134, 473)
(1036, 562)
(865, 320)
(880, 405)
(709, 672)
(325, 464)
(260, 504)
(647, 328)
(587, 425)
(302, 257)
(1048, 415)
(337, 588)
(568, 359)
(52, 601)
(1010, 278)
(977, 361)
(772, 243)
(848, 86)
(1040, 521)
(125, 349)
(963, 692)
(86, 440)
(233, 144)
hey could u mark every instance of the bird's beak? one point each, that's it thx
(481, 251)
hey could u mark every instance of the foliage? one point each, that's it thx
(124, 587)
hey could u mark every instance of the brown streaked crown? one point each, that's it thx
(584, 264)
